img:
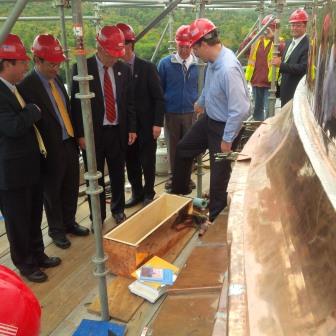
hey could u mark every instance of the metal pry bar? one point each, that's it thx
(231, 156)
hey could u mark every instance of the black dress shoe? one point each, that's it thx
(168, 185)
(147, 200)
(192, 184)
(119, 217)
(35, 276)
(61, 242)
(48, 262)
(78, 230)
(133, 201)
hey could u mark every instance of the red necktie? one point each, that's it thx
(109, 97)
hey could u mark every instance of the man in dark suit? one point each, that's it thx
(45, 88)
(21, 147)
(150, 107)
(293, 65)
(113, 114)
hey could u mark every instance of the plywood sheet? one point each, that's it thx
(216, 232)
(203, 271)
(122, 303)
(186, 315)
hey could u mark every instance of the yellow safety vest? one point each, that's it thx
(252, 60)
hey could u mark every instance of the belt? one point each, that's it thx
(110, 126)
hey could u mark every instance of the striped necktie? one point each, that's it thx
(109, 97)
(61, 108)
(40, 142)
(289, 50)
(288, 53)
(184, 67)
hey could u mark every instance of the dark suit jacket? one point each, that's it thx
(148, 98)
(126, 112)
(33, 91)
(293, 70)
(19, 152)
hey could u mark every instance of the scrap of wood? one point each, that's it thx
(186, 315)
(204, 270)
(216, 232)
(122, 303)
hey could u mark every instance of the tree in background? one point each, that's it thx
(233, 25)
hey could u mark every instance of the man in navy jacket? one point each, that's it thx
(179, 78)
(293, 64)
(149, 106)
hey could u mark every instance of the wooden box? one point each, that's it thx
(147, 233)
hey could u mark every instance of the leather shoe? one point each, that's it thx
(133, 201)
(147, 201)
(48, 262)
(78, 230)
(119, 217)
(192, 184)
(36, 276)
(61, 242)
(168, 185)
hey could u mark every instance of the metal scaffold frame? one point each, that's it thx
(200, 6)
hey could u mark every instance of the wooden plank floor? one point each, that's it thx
(72, 286)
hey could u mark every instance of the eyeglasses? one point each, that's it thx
(183, 47)
(24, 62)
(297, 25)
(53, 65)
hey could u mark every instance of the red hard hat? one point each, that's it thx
(20, 312)
(112, 40)
(127, 31)
(299, 15)
(182, 36)
(48, 48)
(13, 48)
(266, 19)
(200, 28)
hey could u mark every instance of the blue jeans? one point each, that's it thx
(260, 96)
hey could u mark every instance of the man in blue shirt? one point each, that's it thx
(179, 77)
(226, 104)
(44, 87)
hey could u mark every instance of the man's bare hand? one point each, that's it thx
(131, 138)
(81, 143)
(156, 131)
(226, 146)
(198, 109)
(276, 61)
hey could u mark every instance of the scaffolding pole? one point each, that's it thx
(171, 46)
(261, 10)
(45, 18)
(279, 4)
(257, 35)
(97, 16)
(60, 4)
(92, 175)
(168, 10)
(157, 48)
(201, 72)
(11, 19)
